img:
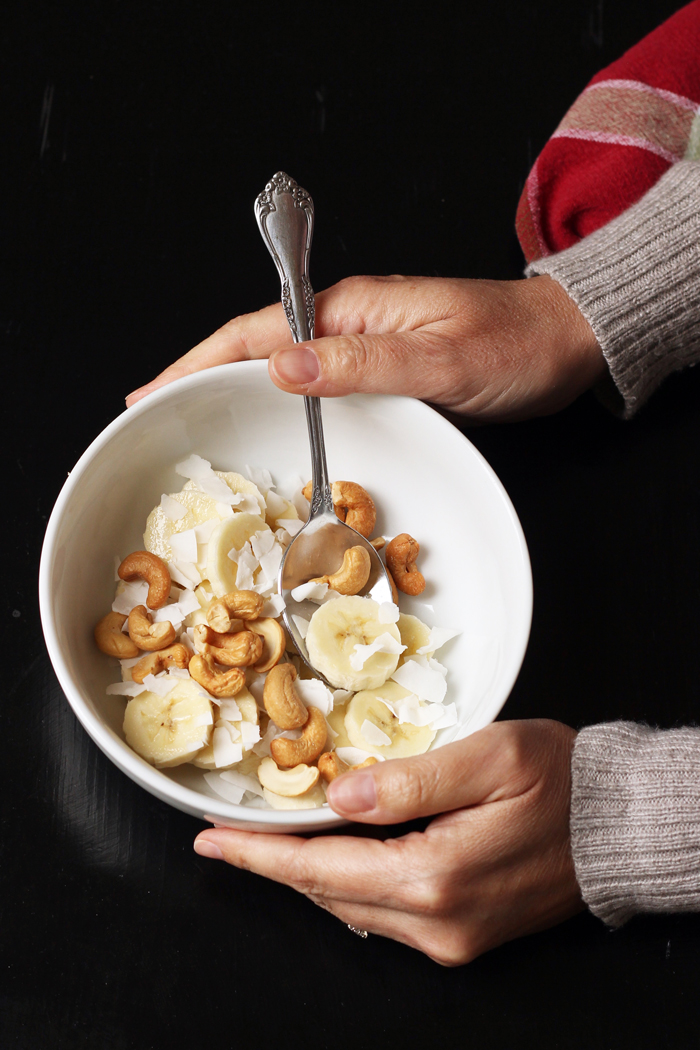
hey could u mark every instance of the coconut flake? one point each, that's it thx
(185, 573)
(226, 752)
(246, 565)
(437, 638)
(262, 542)
(131, 661)
(374, 735)
(301, 503)
(125, 689)
(276, 505)
(440, 668)
(388, 613)
(354, 755)
(273, 606)
(255, 688)
(242, 780)
(341, 696)
(203, 532)
(230, 792)
(314, 694)
(302, 625)
(311, 590)
(422, 680)
(270, 562)
(225, 510)
(172, 508)
(134, 593)
(260, 477)
(290, 525)
(246, 502)
(250, 734)
(229, 709)
(262, 748)
(179, 672)
(160, 684)
(448, 718)
(184, 545)
(199, 470)
(385, 643)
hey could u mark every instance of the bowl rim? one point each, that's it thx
(129, 762)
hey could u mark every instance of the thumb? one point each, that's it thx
(412, 363)
(488, 766)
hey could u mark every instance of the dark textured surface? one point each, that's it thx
(135, 137)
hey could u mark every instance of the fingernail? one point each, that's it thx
(205, 848)
(353, 794)
(297, 366)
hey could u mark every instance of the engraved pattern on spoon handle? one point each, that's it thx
(285, 216)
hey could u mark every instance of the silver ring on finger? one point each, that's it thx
(360, 933)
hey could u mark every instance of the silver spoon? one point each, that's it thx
(285, 214)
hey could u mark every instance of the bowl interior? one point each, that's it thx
(425, 477)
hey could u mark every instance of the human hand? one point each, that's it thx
(496, 865)
(492, 350)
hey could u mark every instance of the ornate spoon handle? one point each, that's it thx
(285, 214)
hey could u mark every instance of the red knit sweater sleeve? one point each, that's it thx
(635, 119)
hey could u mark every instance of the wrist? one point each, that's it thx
(570, 356)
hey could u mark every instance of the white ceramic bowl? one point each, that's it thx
(425, 477)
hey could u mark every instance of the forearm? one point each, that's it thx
(635, 819)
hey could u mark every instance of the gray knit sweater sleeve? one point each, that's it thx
(635, 819)
(637, 283)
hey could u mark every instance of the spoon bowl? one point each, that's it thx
(318, 551)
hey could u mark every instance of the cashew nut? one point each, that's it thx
(218, 683)
(110, 638)
(378, 542)
(352, 574)
(287, 782)
(148, 635)
(401, 554)
(225, 613)
(174, 656)
(331, 765)
(232, 650)
(307, 748)
(352, 504)
(146, 566)
(280, 698)
(274, 642)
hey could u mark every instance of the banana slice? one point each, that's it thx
(414, 635)
(369, 707)
(199, 507)
(336, 628)
(336, 720)
(238, 484)
(169, 730)
(159, 527)
(231, 534)
(249, 711)
(311, 800)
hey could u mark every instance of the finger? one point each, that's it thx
(488, 766)
(354, 305)
(245, 338)
(415, 363)
(331, 867)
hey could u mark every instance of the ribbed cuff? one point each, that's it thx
(637, 283)
(635, 819)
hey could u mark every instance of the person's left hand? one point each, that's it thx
(496, 865)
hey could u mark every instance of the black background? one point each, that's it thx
(135, 138)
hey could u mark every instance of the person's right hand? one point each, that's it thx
(492, 350)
